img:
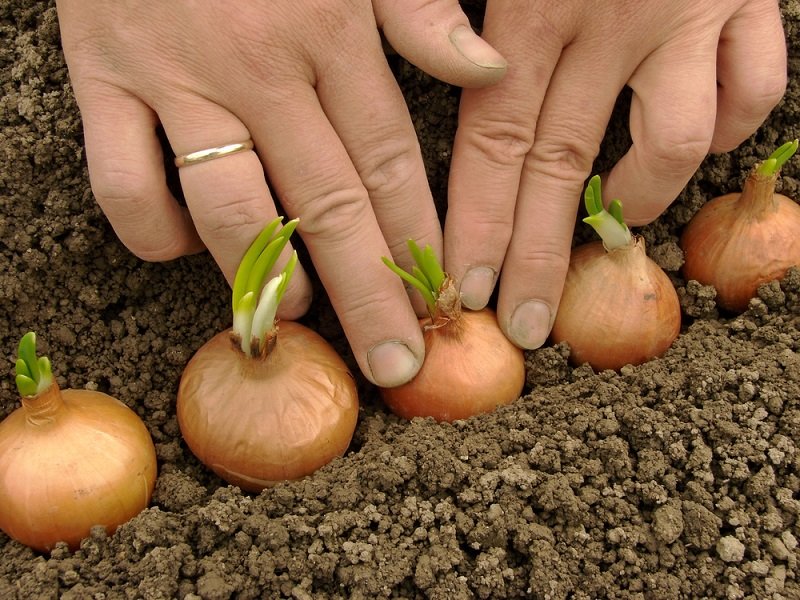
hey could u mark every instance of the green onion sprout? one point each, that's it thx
(427, 275)
(255, 303)
(776, 160)
(34, 374)
(609, 224)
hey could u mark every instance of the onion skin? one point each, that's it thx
(470, 368)
(739, 241)
(258, 421)
(617, 308)
(70, 460)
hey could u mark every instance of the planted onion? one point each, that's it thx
(259, 403)
(739, 241)
(69, 459)
(470, 366)
(618, 307)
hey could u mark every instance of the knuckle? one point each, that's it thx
(334, 213)
(388, 168)
(231, 219)
(675, 152)
(502, 143)
(564, 160)
(121, 190)
(762, 95)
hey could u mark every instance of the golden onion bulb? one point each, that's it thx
(71, 460)
(737, 242)
(259, 420)
(618, 307)
(470, 368)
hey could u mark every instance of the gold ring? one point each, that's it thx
(211, 153)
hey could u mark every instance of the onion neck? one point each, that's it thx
(634, 250)
(43, 408)
(448, 305)
(758, 196)
(259, 349)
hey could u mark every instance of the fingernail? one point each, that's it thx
(392, 363)
(475, 49)
(476, 287)
(530, 324)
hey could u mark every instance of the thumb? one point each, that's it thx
(436, 37)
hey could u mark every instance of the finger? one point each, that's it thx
(436, 36)
(751, 71)
(366, 108)
(671, 123)
(570, 128)
(228, 197)
(316, 181)
(495, 132)
(126, 169)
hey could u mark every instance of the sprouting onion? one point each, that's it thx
(618, 307)
(470, 367)
(739, 241)
(255, 304)
(259, 403)
(69, 459)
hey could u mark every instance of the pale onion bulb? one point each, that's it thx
(70, 460)
(470, 368)
(259, 420)
(618, 307)
(739, 241)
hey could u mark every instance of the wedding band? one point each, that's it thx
(194, 158)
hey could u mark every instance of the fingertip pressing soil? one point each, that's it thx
(678, 478)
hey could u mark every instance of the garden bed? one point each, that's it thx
(674, 479)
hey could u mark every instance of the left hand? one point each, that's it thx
(307, 81)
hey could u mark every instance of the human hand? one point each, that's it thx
(308, 82)
(704, 76)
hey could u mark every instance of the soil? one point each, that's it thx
(679, 478)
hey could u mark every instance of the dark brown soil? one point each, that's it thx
(675, 479)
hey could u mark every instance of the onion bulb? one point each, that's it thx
(261, 403)
(470, 366)
(739, 241)
(618, 307)
(69, 460)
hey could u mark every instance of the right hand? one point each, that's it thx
(704, 76)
